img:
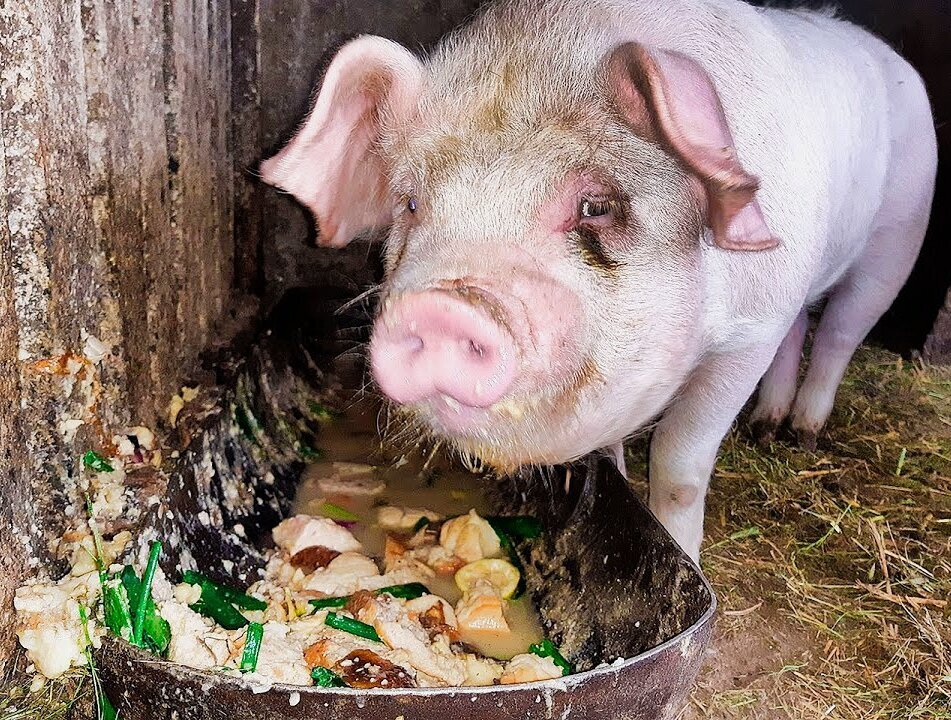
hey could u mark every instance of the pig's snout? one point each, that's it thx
(439, 345)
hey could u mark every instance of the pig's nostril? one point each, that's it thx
(413, 344)
(476, 349)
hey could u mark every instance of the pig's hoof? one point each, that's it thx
(764, 431)
(808, 439)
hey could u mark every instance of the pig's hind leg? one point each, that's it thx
(855, 305)
(872, 283)
(777, 390)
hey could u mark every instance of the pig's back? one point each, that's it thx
(849, 99)
(808, 99)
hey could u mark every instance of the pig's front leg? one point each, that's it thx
(684, 446)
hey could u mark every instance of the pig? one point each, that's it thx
(609, 215)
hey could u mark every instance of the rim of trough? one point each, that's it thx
(566, 683)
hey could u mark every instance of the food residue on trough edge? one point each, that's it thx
(381, 580)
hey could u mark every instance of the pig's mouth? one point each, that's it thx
(540, 428)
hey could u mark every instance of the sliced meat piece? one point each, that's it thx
(358, 602)
(344, 575)
(281, 657)
(391, 517)
(470, 537)
(364, 669)
(334, 645)
(398, 630)
(313, 558)
(193, 643)
(480, 614)
(481, 671)
(435, 615)
(529, 668)
(304, 531)
(393, 550)
(440, 559)
(351, 479)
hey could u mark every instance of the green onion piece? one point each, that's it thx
(146, 594)
(252, 647)
(408, 591)
(335, 512)
(326, 678)
(229, 594)
(115, 609)
(354, 627)
(246, 423)
(100, 557)
(322, 412)
(509, 549)
(546, 648)
(105, 710)
(156, 632)
(328, 602)
(420, 524)
(520, 527)
(95, 461)
(307, 452)
(214, 605)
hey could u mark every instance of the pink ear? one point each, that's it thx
(330, 165)
(669, 94)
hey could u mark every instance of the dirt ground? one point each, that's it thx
(833, 568)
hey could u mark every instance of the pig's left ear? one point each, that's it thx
(330, 165)
(670, 95)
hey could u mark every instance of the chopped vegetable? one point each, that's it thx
(218, 602)
(95, 461)
(233, 596)
(420, 524)
(145, 596)
(335, 512)
(247, 423)
(509, 550)
(326, 678)
(115, 609)
(322, 412)
(100, 557)
(307, 452)
(501, 574)
(328, 602)
(520, 527)
(105, 710)
(354, 627)
(546, 648)
(252, 647)
(156, 632)
(408, 591)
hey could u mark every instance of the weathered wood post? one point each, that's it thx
(116, 243)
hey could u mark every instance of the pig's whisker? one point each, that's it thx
(359, 298)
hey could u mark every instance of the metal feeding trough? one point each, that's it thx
(626, 606)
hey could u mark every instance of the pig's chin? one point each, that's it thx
(503, 437)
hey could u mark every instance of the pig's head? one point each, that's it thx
(543, 289)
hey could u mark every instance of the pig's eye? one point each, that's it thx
(594, 208)
(411, 204)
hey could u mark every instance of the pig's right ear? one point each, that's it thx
(671, 98)
(330, 165)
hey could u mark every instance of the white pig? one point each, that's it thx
(605, 212)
